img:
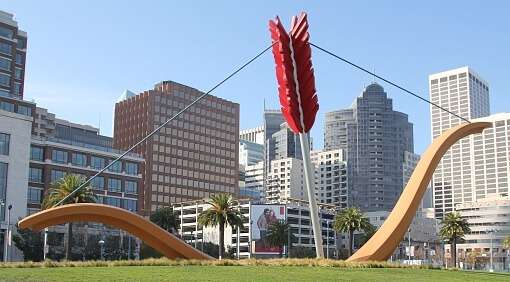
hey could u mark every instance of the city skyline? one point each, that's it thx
(408, 62)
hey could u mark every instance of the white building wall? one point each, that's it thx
(19, 128)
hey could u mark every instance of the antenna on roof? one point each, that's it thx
(99, 125)
(373, 76)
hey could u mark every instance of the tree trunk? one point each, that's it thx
(453, 250)
(222, 240)
(351, 241)
(69, 240)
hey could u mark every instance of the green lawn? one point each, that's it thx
(239, 273)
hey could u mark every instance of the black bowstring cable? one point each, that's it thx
(387, 81)
(84, 184)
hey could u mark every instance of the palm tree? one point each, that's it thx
(61, 189)
(506, 245)
(453, 229)
(223, 210)
(166, 219)
(350, 220)
(278, 235)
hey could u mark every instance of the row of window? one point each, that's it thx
(79, 159)
(10, 107)
(128, 204)
(98, 183)
(6, 49)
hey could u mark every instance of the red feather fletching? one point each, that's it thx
(294, 72)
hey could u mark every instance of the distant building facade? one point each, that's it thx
(194, 156)
(255, 135)
(13, 53)
(375, 138)
(250, 153)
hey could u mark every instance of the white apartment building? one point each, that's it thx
(295, 212)
(466, 94)
(15, 134)
(331, 177)
(285, 180)
(490, 223)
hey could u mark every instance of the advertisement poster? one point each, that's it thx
(261, 217)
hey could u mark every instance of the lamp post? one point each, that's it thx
(409, 254)
(46, 247)
(327, 238)
(101, 243)
(7, 252)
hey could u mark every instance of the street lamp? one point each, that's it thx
(101, 243)
(7, 237)
(327, 238)
(492, 231)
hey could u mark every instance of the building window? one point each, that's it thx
(114, 185)
(59, 156)
(19, 58)
(35, 175)
(3, 188)
(5, 80)
(5, 64)
(4, 143)
(97, 183)
(6, 106)
(131, 187)
(22, 109)
(36, 153)
(116, 166)
(17, 91)
(22, 43)
(113, 201)
(79, 159)
(34, 195)
(18, 73)
(56, 175)
(131, 168)
(97, 163)
(5, 48)
(6, 32)
(130, 205)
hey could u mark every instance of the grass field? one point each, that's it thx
(240, 273)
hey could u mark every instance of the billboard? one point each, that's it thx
(261, 216)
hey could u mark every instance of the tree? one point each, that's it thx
(166, 219)
(368, 233)
(223, 210)
(506, 245)
(60, 190)
(30, 243)
(350, 220)
(453, 229)
(278, 235)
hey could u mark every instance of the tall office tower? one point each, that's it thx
(13, 52)
(250, 153)
(194, 156)
(255, 135)
(272, 122)
(466, 94)
(284, 144)
(375, 138)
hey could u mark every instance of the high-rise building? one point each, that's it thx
(194, 156)
(466, 94)
(273, 120)
(284, 144)
(255, 135)
(13, 52)
(250, 153)
(254, 179)
(375, 138)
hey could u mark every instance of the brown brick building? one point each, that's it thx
(194, 156)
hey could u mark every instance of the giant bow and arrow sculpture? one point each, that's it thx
(299, 103)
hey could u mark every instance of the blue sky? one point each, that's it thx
(83, 54)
